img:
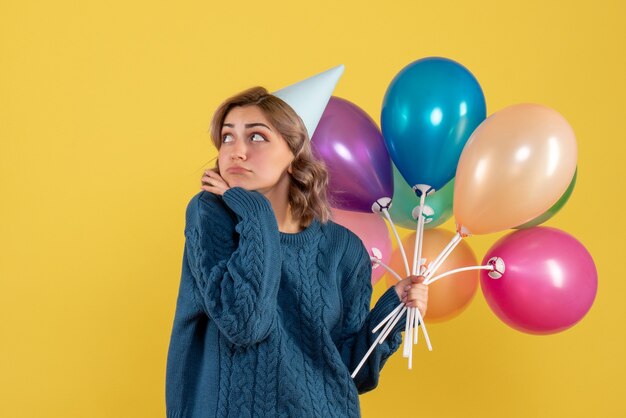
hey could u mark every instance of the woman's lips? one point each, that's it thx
(236, 170)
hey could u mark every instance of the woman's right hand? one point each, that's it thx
(214, 183)
(413, 293)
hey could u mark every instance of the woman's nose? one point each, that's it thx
(239, 151)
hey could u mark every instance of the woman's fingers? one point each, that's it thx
(416, 296)
(413, 293)
(212, 177)
(214, 183)
(417, 279)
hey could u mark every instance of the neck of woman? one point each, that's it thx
(286, 222)
(279, 199)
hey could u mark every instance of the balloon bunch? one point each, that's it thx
(514, 169)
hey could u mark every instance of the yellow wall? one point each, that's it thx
(104, 108)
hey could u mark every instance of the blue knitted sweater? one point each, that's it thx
(271, 324)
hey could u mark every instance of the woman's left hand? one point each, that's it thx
(413, 293)
(214, 183)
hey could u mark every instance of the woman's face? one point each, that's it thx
(253, 154)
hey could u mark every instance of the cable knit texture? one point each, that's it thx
(271, 324)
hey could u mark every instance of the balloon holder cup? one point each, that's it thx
(423, 189)
(381, 204)
(428, 213)
(463, 231)
(497, 264)
(378, 255)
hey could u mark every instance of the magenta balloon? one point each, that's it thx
(549, 283)
(351, 145)
(372, 230)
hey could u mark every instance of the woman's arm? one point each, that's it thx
(238, 292)
(357, 336)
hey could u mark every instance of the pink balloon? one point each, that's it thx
(549, 283)
(372, 230)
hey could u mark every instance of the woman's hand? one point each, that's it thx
(413, 293)
(214, 183)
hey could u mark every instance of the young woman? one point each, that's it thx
(273, 312)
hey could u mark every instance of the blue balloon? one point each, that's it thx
(429, 112)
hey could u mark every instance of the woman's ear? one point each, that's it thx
(290, 167)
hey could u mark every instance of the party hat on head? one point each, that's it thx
(308, 98)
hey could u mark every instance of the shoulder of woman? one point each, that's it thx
(351, 245)
(208, 206)
(342, 233)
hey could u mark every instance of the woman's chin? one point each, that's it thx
(236, 183)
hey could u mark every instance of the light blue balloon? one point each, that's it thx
(429, 112)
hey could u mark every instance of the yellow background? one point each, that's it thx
(104, 110)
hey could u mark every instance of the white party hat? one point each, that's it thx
(308, 98)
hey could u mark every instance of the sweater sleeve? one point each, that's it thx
(360, 321)
(185, 367)
(238, 292)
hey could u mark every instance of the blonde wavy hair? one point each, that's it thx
(309, 179)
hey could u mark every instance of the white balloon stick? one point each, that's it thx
(393, 323)
(385, 212)
(388, 317)
(421, 320)
(417, 255)
(407, 330)
(432, 267)
(415, 335)
(443, 252)
(408, 338)
(367, 355)
(386, 267)
(419, 235)
(459, 270)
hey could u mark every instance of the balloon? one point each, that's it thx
(549, 282)
(554, 209)
(514, 167)
(351, 145)
(449, 296)
(429, 111)
(437, 208)
(372, 230)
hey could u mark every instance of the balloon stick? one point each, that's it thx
(409, 337)
(419, 233)
(367, 354)
(421, 322)
(386, 267)
(393, 323)
(407, 330)
(438, 261)
(490, 267)
(387, 318)
(417, 255)
(417, 333)
(386, 329)
(385, 212)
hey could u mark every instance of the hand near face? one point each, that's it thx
(214, 183)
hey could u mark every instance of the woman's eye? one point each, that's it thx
(257, 138)
(227, 138)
